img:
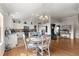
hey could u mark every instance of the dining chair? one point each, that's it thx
(30, 45)
(44, 46)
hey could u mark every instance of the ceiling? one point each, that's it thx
(55, 10)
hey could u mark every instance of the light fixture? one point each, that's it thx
(43, 17)
(46, 17)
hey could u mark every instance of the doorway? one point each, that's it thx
(53, 35)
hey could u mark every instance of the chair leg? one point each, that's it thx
(42, 52)
(48, 52)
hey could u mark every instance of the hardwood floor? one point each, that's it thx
(59, 47)
(20, 50)
(65, 47)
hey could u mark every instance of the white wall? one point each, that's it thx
(21, 25)
(8, 21)
(17, 26)
(48, 28)
(73, 20)
(77, 28)
(77, 31)
(51, 21)
(2, 43)
(31, 26)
